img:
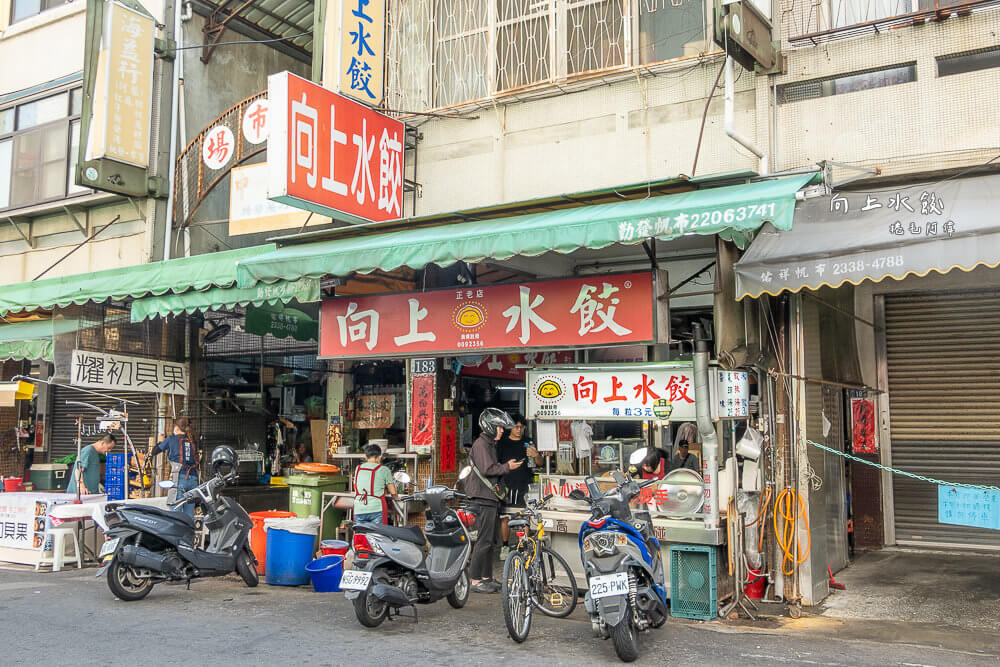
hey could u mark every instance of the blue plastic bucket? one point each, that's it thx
(326, 573)
(287, 556)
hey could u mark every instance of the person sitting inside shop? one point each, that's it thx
(87, 470)
(684, 458)
(302, 455)
(372, 481)
(181, 447)
(655, 465)
(513, 447)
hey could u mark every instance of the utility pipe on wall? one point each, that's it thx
(706, 429)
(729, 120)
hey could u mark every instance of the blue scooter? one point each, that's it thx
(625, 576)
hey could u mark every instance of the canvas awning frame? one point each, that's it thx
(733, 212)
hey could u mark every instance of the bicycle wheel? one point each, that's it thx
(554, 589)
(516, 598)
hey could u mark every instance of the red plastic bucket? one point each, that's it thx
(334, 547)
(13, 484)
(258, 536)
(755, 586)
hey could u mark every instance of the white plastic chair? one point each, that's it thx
(58, 553)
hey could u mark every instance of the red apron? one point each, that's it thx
(363, 495)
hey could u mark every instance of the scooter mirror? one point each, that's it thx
(166, 484)
(401, 478)
(466, 471)
(577, 494)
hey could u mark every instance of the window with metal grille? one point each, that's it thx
(468, 50)
(970, 61)
(845, 13)
(847, 83)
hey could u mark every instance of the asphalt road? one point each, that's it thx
(71, 618)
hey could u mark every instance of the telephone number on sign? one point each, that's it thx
(855, 266)
(730, 215)
(470, 343)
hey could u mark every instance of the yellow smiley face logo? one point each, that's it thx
(469, 316)
(549, 389)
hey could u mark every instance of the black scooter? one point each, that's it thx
(147, 545)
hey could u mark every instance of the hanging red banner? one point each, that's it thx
(422, 412)
(596, 310)
(448, 440)
(863, 425)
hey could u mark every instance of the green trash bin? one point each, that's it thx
(305, 498)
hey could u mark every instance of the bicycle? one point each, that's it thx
(534, 575)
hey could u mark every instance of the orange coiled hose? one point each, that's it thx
(788, 507)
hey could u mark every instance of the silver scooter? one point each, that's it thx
(394, 569)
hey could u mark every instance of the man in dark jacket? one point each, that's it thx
(480, 487)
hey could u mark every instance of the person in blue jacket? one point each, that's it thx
(182, 451)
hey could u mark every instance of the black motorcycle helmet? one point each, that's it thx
(493, 419)
(224, 460)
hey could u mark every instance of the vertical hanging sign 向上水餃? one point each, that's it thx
(354, 49)
(328, 154)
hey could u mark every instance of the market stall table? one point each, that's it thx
(24, 522)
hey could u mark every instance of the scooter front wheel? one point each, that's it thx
(125, 583)
(460, 594)
(245, 568)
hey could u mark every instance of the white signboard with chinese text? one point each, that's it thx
(730, 392)
(24, 519)
(251, 212)
(617, 394)
(97, 370)
(123, 95)
(354, 49)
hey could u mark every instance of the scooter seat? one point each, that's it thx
(411, 534)
(169, 514)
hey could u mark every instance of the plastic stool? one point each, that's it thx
(58, 556)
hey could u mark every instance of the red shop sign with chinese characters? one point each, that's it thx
(597, 310)
(331, 155)
(422, 412)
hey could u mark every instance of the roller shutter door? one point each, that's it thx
(141, 424)
(943, 362)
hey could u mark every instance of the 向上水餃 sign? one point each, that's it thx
(598, 310)
(331, 155)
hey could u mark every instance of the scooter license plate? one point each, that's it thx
(109, 547)
(355, 580)
(608, 584)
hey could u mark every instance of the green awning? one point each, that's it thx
(733, 212)
(305, 290)
(32, 340)
(216, 269)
